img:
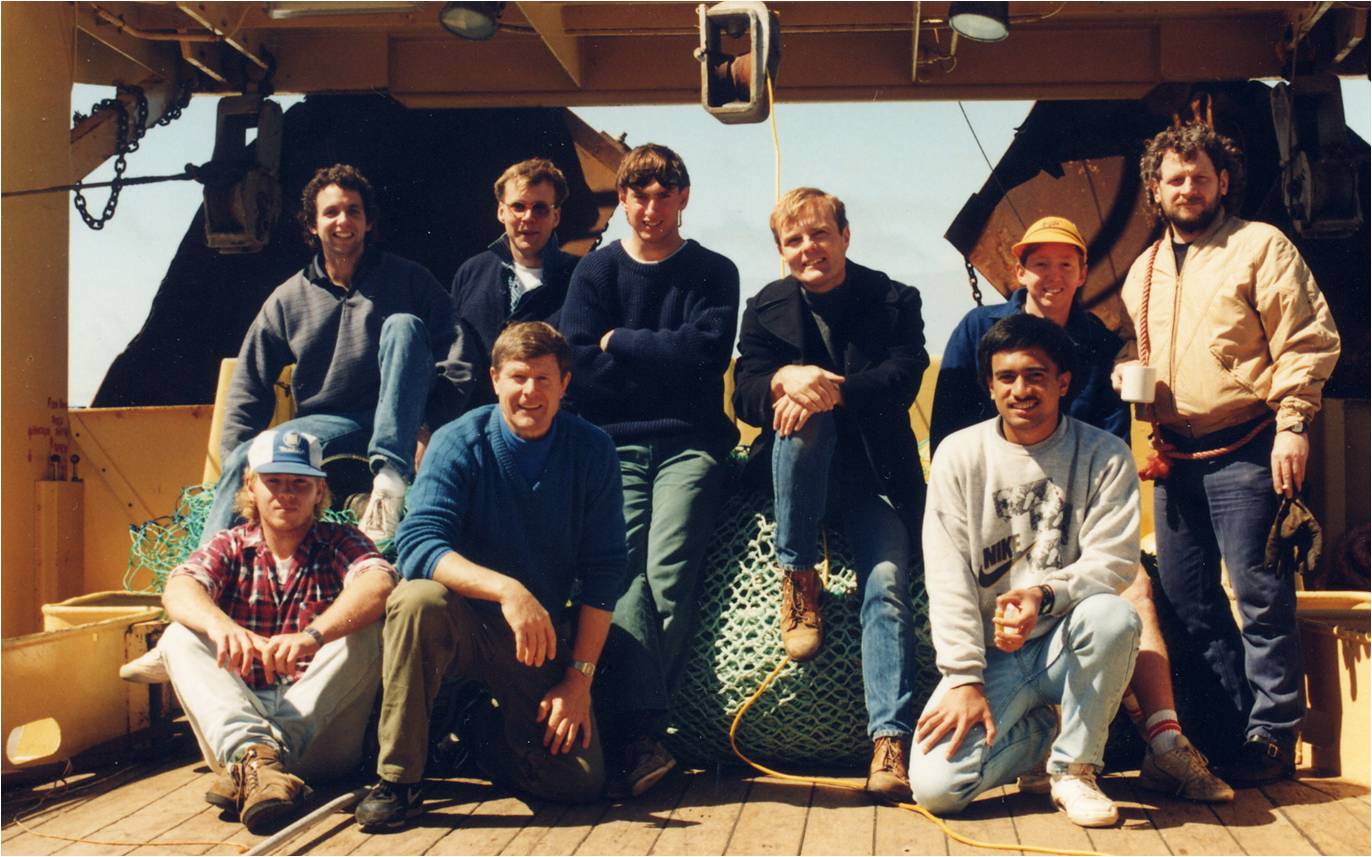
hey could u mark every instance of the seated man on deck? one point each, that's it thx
(516, 510)
(274, 650)
(521, 276)
(1051, 269)
(366, 331)
(830, 360)
(1030, 534)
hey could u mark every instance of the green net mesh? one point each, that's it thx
(162, 544)
(813, 713)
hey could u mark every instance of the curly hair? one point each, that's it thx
(245, 504)
(347, 177)
(1186, 141)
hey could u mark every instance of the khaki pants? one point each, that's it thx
(432, 633)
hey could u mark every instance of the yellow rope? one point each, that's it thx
(242, 849)
(776, 154)
(844, 784)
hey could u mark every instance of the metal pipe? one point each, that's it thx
(341, 803)
(151, 35)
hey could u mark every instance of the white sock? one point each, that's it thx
(388, 481)
(1162, 730)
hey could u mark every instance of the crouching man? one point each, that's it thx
(517, 503)
(1030, 534)
(274, 649)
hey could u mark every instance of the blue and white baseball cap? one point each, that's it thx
(294, 452)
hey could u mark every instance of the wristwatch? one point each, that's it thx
(314, 635)
(1298, 427)
(1046, 603)
(586, 668)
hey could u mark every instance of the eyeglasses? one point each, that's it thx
(539, 210)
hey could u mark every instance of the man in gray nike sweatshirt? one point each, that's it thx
(1030, 533)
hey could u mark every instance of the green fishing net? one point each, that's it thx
(813, 713)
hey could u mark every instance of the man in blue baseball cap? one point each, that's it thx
(274, 647)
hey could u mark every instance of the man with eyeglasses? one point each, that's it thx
(521, 276)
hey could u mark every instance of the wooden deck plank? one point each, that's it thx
(561, 837)
(841, 821)
(1351, 797)
(772, 820)
(704, 818)
(903, 831)
(1309, 810)
(987, 820)
(1258, 827)
(1186, 826)
(337, 835)
(633, 826)
(85, 821)
(1038, 822)
(1134, 834)
(494, 824)
(202, 824)
(447, 805)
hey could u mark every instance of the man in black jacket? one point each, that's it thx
(521, 276)
(830, 360)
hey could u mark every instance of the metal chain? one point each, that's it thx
(126, 141)
(972, 280)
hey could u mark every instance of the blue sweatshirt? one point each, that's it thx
(674, 323)
(961, 399)
(470, 497)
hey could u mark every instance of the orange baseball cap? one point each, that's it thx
(1051, 230)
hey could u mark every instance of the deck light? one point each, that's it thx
(980, 22)
(475, 21)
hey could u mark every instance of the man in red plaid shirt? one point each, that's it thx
(274, 649)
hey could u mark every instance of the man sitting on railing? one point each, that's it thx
(274, 649)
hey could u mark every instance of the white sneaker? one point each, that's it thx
(1077, 794)
(147, 668)
(1184, 772)
(381, 517)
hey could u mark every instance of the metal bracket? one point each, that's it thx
(243, 189)
(733, 88)
(1319, 175)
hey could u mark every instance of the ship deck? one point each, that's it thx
(157, 807)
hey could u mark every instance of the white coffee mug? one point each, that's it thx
(1139, 383)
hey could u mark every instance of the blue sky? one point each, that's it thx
(903, 169)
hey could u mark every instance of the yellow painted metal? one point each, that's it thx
(72, 676)
(100, 607)
(285, 409)
(61, 540)
(134, 462)
(36, 61)
(1335, 732)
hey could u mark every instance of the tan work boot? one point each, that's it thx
(888, 777)
(223, 792)
(266, 793)
(801, 631)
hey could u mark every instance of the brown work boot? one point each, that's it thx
(889, 775)
(266, 793)
(223, 792)
(801, 631)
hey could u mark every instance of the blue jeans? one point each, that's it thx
(1083, 665)
(1223, 509)
(387, 435)
(883, 550)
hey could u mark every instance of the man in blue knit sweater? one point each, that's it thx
(651, 322)
(521, 276)
(516, 511)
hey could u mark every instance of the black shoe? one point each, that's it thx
(1261, 761)
(389, 805)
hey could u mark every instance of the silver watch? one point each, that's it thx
(586, 668)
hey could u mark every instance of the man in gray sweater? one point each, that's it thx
(1030, 533)
(368, 333)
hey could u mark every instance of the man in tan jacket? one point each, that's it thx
(1242, 341)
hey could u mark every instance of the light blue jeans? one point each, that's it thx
(1083, 665)
(318, 721)
(387, 435)
(883, 550)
